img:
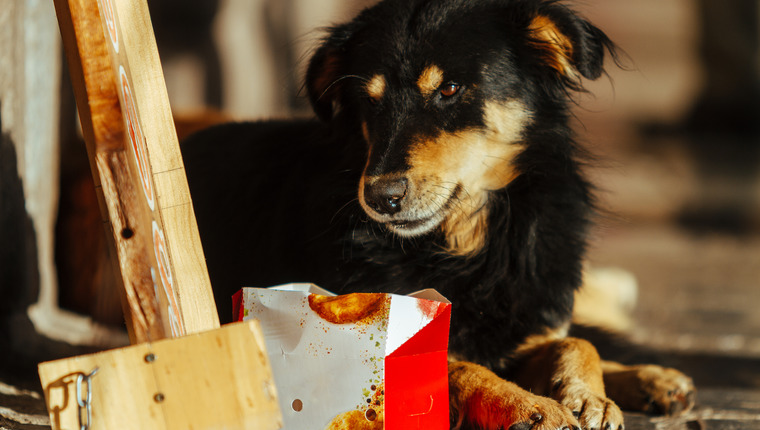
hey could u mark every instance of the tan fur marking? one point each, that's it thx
(537, 340)
(365, 131)
(552, 356)
(430, 79)
(569, 370)
(557, 47)
(479, 160)
(579, 360)
(480, 398)
(466, 235)
(376, 87)
(648, 388)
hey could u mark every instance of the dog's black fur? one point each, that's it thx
(277, 202)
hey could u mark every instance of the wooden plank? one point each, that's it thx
(100, 116)
(216, 379)
(127, 124)
(138, 57)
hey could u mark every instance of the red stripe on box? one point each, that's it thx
(432, 337)
(417, 391)
(237, 306)
(416, 379)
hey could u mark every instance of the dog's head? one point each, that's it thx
(443, 91)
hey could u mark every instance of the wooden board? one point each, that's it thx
(219, 379)
(127, 124)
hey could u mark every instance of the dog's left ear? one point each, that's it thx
(567, 43)
(327, 68)
(322, 79)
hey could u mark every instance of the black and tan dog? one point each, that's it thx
(443, 159)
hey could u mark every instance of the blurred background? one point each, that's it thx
(676, 132)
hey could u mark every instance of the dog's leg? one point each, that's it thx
(482, 400)
(569, 370)
(649, 388)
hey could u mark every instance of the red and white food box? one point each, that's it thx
(356, 361)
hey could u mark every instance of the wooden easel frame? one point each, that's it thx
(183, 370)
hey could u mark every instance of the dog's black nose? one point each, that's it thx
(385, 195)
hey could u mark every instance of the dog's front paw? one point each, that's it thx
(668, 391)
(497, 408)
(536, 412)
(652, 389)
(594, 412)
(483, 401)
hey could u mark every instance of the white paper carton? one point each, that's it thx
(358, 361)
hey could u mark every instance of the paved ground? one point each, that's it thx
(718, 409)
(698, 287)
(696, 311)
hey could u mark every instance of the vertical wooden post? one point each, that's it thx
(128, 127)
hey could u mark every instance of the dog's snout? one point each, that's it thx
(386, 195)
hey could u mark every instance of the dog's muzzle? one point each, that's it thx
(395, 202)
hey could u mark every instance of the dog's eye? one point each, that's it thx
(450, 89)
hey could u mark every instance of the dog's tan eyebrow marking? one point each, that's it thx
(430, 79)
(375, 87)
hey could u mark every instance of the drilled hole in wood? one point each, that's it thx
(127, 233)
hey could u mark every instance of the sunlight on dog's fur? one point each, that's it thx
(441, 157)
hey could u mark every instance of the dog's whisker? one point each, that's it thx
(335, 82)
(348, 203)
(401, 244)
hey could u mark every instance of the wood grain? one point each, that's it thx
(217, 379)
(166, 286)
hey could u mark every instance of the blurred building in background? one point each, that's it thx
(259, 50)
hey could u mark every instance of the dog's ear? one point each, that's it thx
(328, 67)
(323, 79)
(568, 44)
